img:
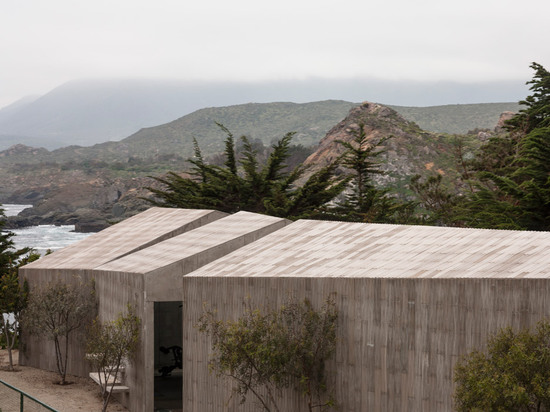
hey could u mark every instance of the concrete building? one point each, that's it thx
(141, 261)
(411, 299)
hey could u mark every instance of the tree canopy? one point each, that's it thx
(244, 184)
(13, 295)
(509, 179)
(266, 351)
(364, 200)
(342, 190)
(56, 311)
(513, 375)
(109, 345)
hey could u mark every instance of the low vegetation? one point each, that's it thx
(513, 375)
(456, 118)
(109, 345)
(56, 311)
(264, 352)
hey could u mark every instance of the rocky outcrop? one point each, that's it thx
(408, 151)
(504, 117)
(89, 205)
(22, 150)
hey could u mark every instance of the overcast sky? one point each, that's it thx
(46, 43)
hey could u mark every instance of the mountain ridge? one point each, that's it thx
(33, 175)
(88, 112)
(268, 122)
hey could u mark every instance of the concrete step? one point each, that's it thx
(115, 389)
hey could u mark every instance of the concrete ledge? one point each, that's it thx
(115, 389)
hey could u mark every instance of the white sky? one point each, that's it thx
(46, 43)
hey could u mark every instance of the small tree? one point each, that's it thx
(266, 352)
(13, 299)
(514, 374)
(108, 345)
(364, 201)
(437, 202)
(56, 311)
(13, 296)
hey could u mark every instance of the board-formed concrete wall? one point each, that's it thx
(116, 290)
(398, 339)
(125, 271)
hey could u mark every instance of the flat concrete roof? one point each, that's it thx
(309, 248)
(135, 233)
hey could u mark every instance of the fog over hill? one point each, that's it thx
(93, 111)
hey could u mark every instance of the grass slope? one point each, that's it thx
(456, 118)
(266, 122)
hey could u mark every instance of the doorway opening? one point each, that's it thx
(168, 372)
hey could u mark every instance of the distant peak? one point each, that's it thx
(21, 149)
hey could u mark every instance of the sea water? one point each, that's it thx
(41, 238)
(44, 237)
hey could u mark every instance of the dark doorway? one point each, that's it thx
(168, 373)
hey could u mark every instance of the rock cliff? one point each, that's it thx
(407, 152)
(91, 205)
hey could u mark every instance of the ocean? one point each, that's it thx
(43, 237)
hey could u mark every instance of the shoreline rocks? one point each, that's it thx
(89, 206)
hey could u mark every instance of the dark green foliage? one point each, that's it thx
(311, 199)
(514, 374)
(283, 348)
(497, 156)
(8, 255)
(364, 201)
(242, 184)
(13, 299)
(512, 190)
(13, 295)
(536, 114)
(435, 199)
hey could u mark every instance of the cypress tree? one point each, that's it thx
(242, 184)
(513, 187)
(363, 200)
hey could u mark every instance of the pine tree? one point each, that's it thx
(513, 172)
(243, 184)
(536, 113)
(437, 203)
(13, 296)
(363, 200)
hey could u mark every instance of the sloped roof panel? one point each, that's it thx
(240, 228)
(135, 233)
(338, 249)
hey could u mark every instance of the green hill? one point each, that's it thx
(456, 118)
(264, 121)
(31, 174)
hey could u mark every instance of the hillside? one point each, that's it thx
(409, 150)
(88, 112)
(155, 150)
(267, 122)
(32, 174)
(264, 121)
(105, 182)
(456, 118)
